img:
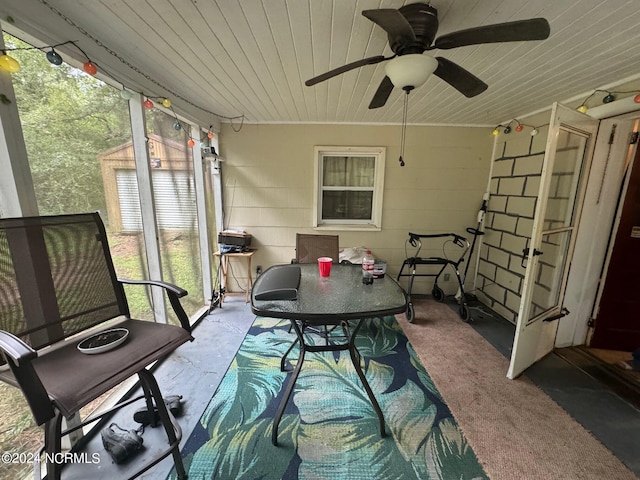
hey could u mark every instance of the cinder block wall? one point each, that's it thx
(513, 188)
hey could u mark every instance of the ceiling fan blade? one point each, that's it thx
(382, 94)
(459, 78)
(521, 30)
(392, 22)
(345, 68)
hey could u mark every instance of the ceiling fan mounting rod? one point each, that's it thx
(403, 134)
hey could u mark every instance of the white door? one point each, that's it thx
(565, 168)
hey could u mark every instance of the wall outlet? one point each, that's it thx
(447, 277)
(258, 269)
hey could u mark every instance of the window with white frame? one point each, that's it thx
(349, 185)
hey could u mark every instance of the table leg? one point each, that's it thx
(290, 385)
(283, 360)
(224, 267)
(249, 280)
(355, 358)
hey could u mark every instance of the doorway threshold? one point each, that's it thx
(624, 382)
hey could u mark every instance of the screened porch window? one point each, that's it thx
(349, 186)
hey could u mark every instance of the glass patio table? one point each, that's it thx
(313, 302)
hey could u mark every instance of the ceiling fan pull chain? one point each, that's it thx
(404, 127)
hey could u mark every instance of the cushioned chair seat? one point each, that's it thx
(104, 368)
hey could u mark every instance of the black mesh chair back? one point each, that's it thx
(310, 247)
(57, 286)
(56, 278)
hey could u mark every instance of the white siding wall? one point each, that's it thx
(268, 185)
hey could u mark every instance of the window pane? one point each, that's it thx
(88, 131)
(72, 124)
(347, 204)
(175, 204)
(547, 286)
(348, 171)
(565, 180)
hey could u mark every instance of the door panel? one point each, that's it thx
(617, 324)
(548, 283)
(567, 157)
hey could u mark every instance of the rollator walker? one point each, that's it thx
(412, 264)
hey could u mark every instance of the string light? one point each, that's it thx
(54, 58)
(90, 68)
(122, 60)
(11, 65)
(608, 98)
(8, 64)
(506, 129)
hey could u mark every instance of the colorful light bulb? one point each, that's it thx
(191, 142)
(519, 128)
(54, 58)
(90, 68)
(126, 94)
(495, 132)
(9, 64)
(637, 98)
(210, 135)
(177, 126)
(534, 132)
(166, 103)
(608, 98)
(148, 104)
(583, 109)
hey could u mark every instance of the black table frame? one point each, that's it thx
(300, 322)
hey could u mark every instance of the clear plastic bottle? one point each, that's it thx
(367, 267)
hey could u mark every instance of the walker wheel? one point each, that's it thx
(437, 293)
(463, 310)
(410, 313)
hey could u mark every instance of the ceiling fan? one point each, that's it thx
(411, 30)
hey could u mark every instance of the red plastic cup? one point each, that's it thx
(324, 266)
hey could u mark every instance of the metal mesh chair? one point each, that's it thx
(310, 247)
(57, 286)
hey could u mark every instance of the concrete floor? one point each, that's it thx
(197, 368)
(193, 371)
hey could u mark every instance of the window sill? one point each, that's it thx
(348, 227)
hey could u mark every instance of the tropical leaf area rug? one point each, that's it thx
(329, 429)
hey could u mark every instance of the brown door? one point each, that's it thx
(617, 325)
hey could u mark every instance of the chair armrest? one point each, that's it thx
(174, 293)
(20, 355)
(169, 287)
(15, 348)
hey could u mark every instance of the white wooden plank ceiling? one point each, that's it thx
(251, 57)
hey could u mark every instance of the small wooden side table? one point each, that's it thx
(224, 269)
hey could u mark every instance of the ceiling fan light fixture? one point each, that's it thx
(410, 71)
